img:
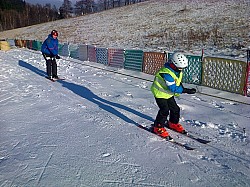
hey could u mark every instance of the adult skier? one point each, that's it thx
(49, 50)
(167, 84)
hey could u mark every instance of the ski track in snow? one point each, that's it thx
(82, 131)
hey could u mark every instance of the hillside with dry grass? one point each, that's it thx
(155, 25)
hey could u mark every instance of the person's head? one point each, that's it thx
(178, 61)
(54, 34)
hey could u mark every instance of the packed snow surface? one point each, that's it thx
(82, 131)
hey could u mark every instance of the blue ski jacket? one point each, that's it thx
(50, 46)
(170, 82)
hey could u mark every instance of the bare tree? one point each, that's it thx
(80, 7)
(66, 9)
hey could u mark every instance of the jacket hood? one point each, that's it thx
(51, 37)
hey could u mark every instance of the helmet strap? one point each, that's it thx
(174, 67)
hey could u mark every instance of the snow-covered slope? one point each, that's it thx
(220, 27)
(82, 131)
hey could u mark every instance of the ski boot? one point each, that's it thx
(176, 127)
(55, 77)
(161, 131)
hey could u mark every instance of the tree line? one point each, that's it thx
(17, 13)
(82, 7)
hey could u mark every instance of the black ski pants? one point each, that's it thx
(167, 107)
(51, 66)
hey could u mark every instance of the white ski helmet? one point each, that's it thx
(179, 60)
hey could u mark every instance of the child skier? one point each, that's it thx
(50, 53)
(167, 84)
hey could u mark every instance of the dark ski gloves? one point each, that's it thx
(189, 91)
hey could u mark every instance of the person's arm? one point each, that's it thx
(52, 47)
(170, 82)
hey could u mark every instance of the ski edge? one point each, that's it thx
(60, 79)
(203, 141)
(189, 135)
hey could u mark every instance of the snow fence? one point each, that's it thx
(224, 74)
(219, 73)
(4, 45)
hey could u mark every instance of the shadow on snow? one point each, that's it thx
(90, 96)
(103, 103)
(32, 68)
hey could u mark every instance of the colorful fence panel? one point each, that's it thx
(63, 49)
(4, 46)
(20, 43)
(133, 60)
(83, 52)
(36, 45)
(73, 51)
(152, 62)
(193, 73)
(224, 74)
(102, 55)
(60, 46)
(92, 53)
(24, 43)
(29, 44)
(11, 42)
(116, 57)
